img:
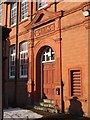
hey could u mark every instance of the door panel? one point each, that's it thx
(48, 79)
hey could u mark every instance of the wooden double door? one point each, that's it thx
(48, 79)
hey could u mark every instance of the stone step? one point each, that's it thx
(38, 107)
(48, 101)
(46, 109)
(46, 104)
(52, 110)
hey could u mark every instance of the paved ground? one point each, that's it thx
(62, 117)
(20, 113)
(32, 114)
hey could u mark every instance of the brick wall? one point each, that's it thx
(74, 46)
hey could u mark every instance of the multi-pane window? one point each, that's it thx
(48, 55)
(41, 3)
(75, 82)
(13, 13)
(24, 59)
(24, 9)
(0, 12)
(12, 56)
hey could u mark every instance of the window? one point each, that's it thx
(24, 59)
(13, 13)
(41, 4)
(0, 12)
(12, 61)
(24, 9)
(75, 82)
(48, 55)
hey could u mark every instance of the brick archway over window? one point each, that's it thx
(39, 45)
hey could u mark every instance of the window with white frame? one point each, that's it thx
(0, 14)
(0, 1)
(0, 11)
(12, 56)
(13, 13)
(24, 9)
(23, 59)
(41, 4)
(48, 55)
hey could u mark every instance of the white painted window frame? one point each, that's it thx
(13, 13)
(24, 12)
(13, 55)
(49, 55)
(0, 13)
(23, 52)
(42, 6)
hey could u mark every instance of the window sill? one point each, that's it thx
(22, 77)
(48, 61)
(24, 19)
(13, 25)
(11, 77)
(43, 7)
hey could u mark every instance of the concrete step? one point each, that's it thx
(52, 110)
(46, 109)
(38, 108)
(46, 104)
(48, 101)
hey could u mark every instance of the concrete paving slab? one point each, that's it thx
(19, 113)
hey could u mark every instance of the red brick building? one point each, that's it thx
(4, 34)
(48, 53)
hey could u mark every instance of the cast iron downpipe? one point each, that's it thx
(16, 60)
(61, 81)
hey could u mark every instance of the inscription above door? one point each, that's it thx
(44, 30)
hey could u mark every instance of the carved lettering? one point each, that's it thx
(44, 30)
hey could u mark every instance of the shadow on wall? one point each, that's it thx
(75, 107)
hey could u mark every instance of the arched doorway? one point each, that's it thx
(46, 74)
